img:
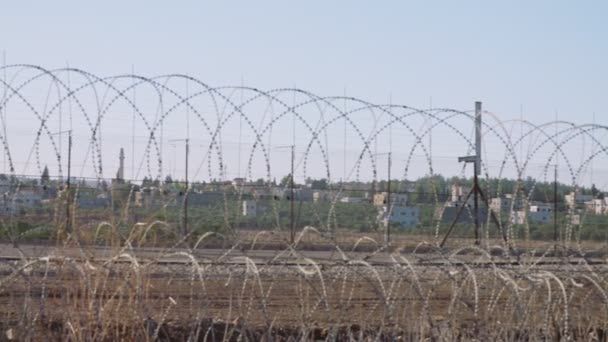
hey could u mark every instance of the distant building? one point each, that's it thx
(5, 184)
(448, 213)
(93, 201)
(540, 213)
(536, 213)
(280, 193)
(503, 204)
(575, 198)
(28, 199)
(458, 196)
(304, 194)
(197, 199)
(238, 182)
(299, 194)
(380, 199)
(398, 199)
(250, 209)
(352, 200)
(321, 196)
(400, 215)
(148, 197)
(575, 219)
(253, 208)
(19, 201)
(518, 216)
(261, 192)
(120, 174)
(597, 206)
(458, 193)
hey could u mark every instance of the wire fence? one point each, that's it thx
(172, 209)
(209, 158)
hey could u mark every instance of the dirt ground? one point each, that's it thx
(102, 300)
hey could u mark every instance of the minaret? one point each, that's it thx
(121, 170)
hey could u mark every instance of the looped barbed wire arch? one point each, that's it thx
(292, 109)
(350, 286)
(15, 91)
(315, 119)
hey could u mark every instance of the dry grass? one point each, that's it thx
(463, 294)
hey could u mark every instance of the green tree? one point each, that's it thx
(260, 181)
(45, 178)
(285, 181)
(421, 192)
(594, 190)
(320, 184)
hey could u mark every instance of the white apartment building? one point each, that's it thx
(575, 197)
(597, 206)
(250, 208)
(541, 213)
(503, 204)
(400, 215)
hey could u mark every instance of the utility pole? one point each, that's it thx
(387, 234)
(291, 205)
(555, 206)
(67, 183)
(185, 213)
(476, 204)
(2, 108)
(292, 227)
(476, 189)
(133, 126)
(67, 207)
(388, 202)
(477, 168)
(186, 192)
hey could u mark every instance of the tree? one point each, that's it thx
(286, 181)
(103, 185)
(146, 182)
(421, 193)
(260, 181)
(320, 184)
(45, 178)
(594, 190)
(168, 179)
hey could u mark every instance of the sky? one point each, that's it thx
(533, 59)
(544, 56)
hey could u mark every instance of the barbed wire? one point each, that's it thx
(158, 109)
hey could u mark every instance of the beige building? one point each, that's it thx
(458, 197)
(321, 196)
(381, 199)
(541, 213)
(399, 215)
(518, 216)
(575, 197)
(250, 209)
(503, 204)
(597, 206)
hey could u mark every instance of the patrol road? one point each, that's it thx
(9, 252)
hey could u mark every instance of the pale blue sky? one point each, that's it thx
(544, 55)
